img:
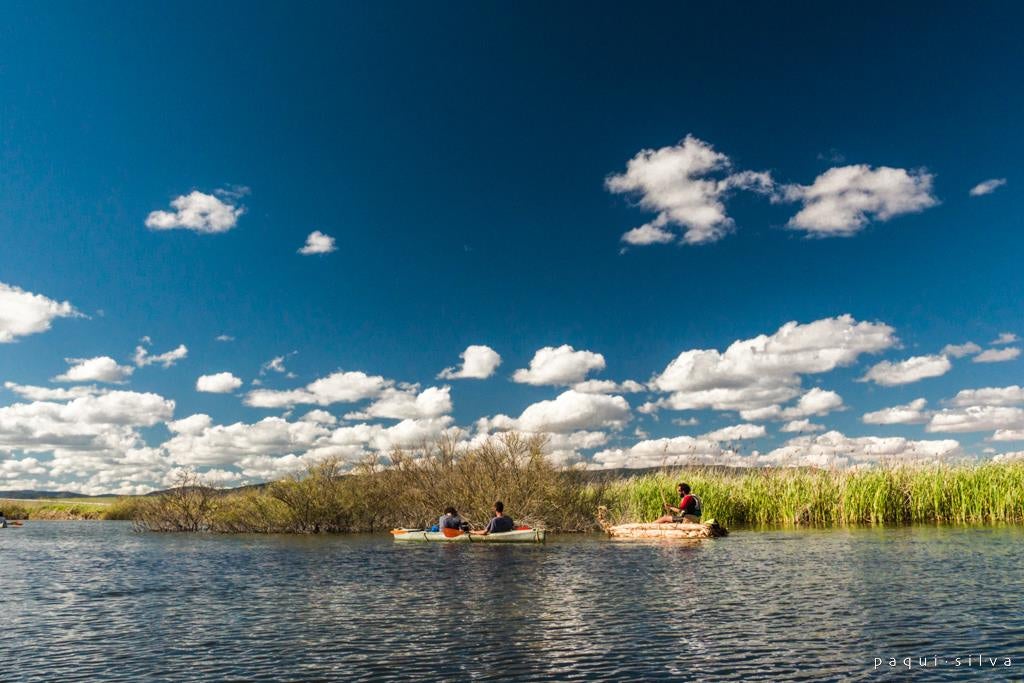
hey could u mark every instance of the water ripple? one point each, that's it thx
(95, 601)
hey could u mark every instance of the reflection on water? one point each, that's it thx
(95, 601)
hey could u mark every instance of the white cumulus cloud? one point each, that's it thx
(560, 365)
(218, 383)
(997, 355)
(318, 243)
(911, 413)
(675, 451)
(199, 212)
(34, 393)
(989, 396)
(23, 313)
(801, 427)
(1005, 338)
(843, 200)
(98, 369)
(686, 184)
(960, 350)
(478, 362)
(737, 432)
(889, 374)
(572, 411)
(338, 387)
(834, 449)
(407, 404)
(765, 370)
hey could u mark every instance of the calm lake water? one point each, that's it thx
(98, 602)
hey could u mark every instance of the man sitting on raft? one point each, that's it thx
(689, 509)
(499, 524)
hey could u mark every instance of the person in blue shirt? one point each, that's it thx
(3, 520)
(450, 520)
(499, 524)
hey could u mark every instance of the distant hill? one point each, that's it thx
(19, 495)
(40, 495)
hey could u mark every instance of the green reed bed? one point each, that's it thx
(984, 493)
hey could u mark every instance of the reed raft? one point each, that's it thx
(682, 530)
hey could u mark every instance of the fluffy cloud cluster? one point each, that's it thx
(834, 449)
(675, 451)
(199, 212)
(338, 387)
(556, 366)
(478, 362)
(318, 243)
(98, 369)
(843, 200)
(94, 440)
(571, 421)
(274, 447)
(761, 373)
(685, 184)
(996, 409)
(889, 374)
(23, 313)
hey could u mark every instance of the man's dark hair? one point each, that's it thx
(499, 506)
(685, 488)
(450, 511)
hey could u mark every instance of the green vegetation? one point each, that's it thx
(413, 491)
(70, 508)
(984, 493)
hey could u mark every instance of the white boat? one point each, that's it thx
(523, 535)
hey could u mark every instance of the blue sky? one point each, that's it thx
(478, 170)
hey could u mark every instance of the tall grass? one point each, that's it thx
(984, 493)
(408, 490)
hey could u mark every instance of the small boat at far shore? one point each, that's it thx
(520, 535)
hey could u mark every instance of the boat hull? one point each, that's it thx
(684, 530)
(517, 536)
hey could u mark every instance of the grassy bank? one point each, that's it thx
(70, 509)
(412, 492)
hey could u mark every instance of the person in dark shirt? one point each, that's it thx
(499, 524)
(689, 509)
(449, 520)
